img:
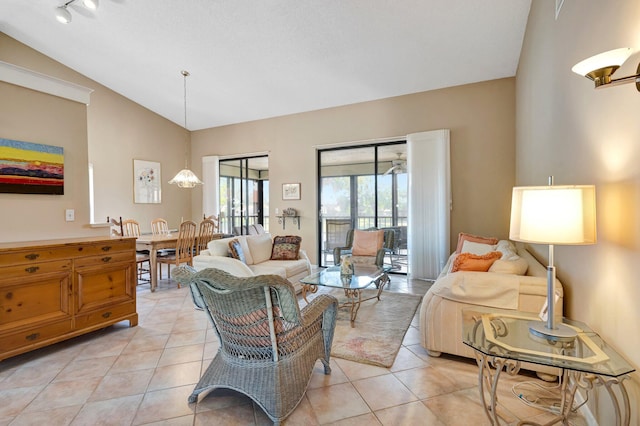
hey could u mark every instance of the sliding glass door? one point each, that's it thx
(363, 187)
(244, 194)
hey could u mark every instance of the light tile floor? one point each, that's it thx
(144, 374)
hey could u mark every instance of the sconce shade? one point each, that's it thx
(185, 179)
(599, 68)
(91, 4)
(62, 15)
(554, 214)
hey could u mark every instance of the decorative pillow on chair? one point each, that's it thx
(475, 262)
(367, 243)
(462, 237)
(286, 247)
(235, 249)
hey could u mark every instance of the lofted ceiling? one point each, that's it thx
(255, 59)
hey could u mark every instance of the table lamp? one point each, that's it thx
(562, 214)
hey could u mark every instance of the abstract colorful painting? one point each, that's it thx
(31, 168)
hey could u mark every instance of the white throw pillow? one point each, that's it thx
(507, 249)
(477, 248)
(260, 247)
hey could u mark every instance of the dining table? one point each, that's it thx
(153, 243)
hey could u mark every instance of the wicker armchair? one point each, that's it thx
(268, 346)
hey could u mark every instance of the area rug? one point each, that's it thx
(379, 328)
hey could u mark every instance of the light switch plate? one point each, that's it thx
(70, 215)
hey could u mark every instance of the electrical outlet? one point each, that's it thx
(70, 215)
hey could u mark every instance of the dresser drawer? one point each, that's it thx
(38, 268)
(105, 315)
(39, 254)
(106, 259)
(34, 336)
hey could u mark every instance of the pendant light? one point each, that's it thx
(185, 177)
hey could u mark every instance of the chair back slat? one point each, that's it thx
(130, 228)
(185, 243)
(205, 234)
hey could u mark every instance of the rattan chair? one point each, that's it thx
(268, 346)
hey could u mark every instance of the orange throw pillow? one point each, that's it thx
(462, 237)
(475, 262)
(367, 243)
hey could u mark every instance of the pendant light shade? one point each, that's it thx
(185, 177)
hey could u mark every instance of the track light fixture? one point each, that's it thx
(601, 67)
(64, 16)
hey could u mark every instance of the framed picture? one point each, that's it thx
(290, 191)
(147, 182)
(31, 168)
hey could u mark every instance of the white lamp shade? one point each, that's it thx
(185, 179)
(613, 58)
(554, 214)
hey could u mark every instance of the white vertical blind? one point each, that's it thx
(211, 179)
(429, 202)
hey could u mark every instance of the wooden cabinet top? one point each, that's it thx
(63, 242)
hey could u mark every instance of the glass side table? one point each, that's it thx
(501, 340)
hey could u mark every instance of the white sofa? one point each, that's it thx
(442, 305)
(257, 252)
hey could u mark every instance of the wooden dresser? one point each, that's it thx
(57, 289)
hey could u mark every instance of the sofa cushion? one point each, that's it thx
(219, 247)
(285, 247)
(367, 243)
(474, 262)
(260, 247)
(284, 268)
(462, 237)
(477, 248)
(235, 248)
(516, 266)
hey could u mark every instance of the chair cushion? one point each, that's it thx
(286, 247)
(367, 243)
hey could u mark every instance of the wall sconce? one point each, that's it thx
(599, 68)
(64, 16)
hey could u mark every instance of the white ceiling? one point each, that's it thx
(254, 59)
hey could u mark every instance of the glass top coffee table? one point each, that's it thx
(364, 276)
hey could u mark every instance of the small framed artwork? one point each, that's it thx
(147, 182)
(290, 191)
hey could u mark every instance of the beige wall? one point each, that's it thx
(580, 135)
(481, 119)
(110, 133)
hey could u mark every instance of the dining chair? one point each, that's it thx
(206, 232)
(159, 226)
(184, 248)
(131, 228)
(216, 222)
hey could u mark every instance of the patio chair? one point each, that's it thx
(268, 346)
(377, 253)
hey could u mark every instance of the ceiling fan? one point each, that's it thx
(397, 166)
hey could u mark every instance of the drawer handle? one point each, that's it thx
(32, 256)
(106, 259)
(32, 337)
(31, 269)
(106, 248)
(106, 315)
